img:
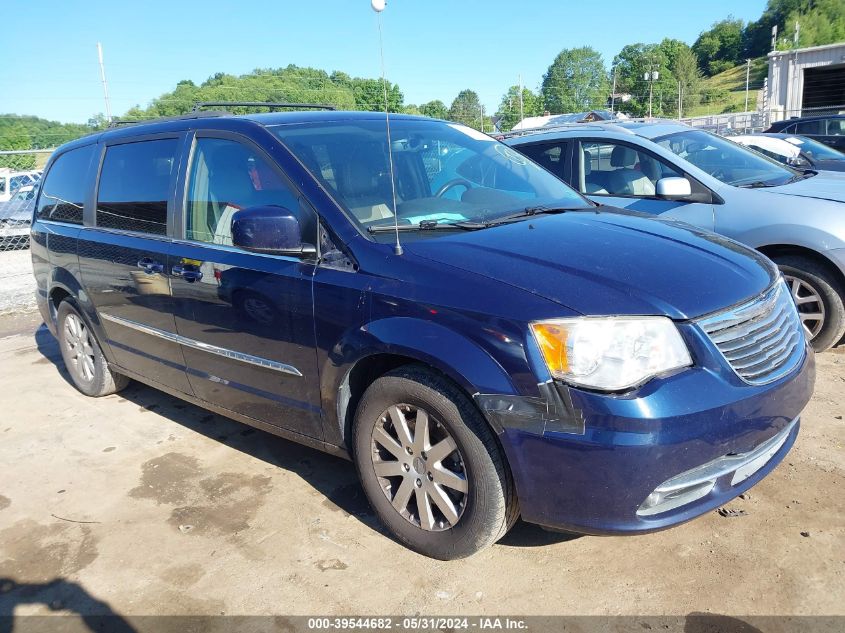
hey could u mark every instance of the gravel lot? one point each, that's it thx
(17, 285)
(142, 504)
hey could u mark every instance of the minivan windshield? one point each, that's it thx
(445, 173)
(814, 149)
(727, 161)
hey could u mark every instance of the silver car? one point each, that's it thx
(664, 168)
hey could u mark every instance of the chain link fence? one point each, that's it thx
(18, 188)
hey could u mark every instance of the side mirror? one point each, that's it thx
(673, 188)
(271, 230)
(798, 161)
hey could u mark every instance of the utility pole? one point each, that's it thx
(613, 91)
(482, 117)
(747, 77)
(103, 77)
(680, 101)
(521, 105)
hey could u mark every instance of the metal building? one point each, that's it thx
(806, 81)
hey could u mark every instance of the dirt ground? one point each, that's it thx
(141, 504)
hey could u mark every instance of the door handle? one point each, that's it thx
(188, 273)
(149, 266)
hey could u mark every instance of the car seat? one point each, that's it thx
(591, 179)
(625, 180)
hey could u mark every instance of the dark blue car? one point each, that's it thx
(483, 342)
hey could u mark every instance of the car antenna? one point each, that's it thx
(378, 7)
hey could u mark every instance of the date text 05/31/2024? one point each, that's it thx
(418, 623)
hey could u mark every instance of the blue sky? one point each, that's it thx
(433, 48)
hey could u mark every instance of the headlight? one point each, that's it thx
(610, 353)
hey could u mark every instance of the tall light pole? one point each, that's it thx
(103, 77)
(651, 76)
(521, 108)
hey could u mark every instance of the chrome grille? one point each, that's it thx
(762, 340)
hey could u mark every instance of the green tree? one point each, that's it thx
(435, 109)
(687, 74)
(576, 81)
(369, 95)
(16, 137)
(721, 46)
(632, 64)
(757, 36)
(466, 109)
(508, 112)
(821, 21)
(98, 122)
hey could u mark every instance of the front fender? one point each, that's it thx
(809, 237)
(447, 351)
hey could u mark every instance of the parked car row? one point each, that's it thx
(796, 151)
(16, 218)
(828, 128)
(483, 337)
(11, 181)
(669, 170)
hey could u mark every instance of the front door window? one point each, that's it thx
(617, 169)
(227, 176)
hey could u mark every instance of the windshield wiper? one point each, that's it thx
(758, 184)
(806, 173)
(427, 225)
(529, 212)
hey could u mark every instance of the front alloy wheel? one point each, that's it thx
(810, 305)
(430, 465)
(419, 467)
(818, 295)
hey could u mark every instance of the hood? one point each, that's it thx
(610, 263)
(826, 185)
(829, 165)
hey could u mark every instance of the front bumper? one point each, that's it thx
(632, 446)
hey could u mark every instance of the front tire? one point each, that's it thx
(430, 466)
(819, 298)
(83, 357)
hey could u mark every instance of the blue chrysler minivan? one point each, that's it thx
(482, 341)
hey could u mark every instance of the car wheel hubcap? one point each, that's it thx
(809, 303)
(419, 467)
(79, 347)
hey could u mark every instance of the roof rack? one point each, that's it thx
(197, 113)
(261, 104)
(192, 115)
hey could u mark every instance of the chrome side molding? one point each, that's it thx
(204, 347)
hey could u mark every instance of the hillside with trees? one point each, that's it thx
(708, 76)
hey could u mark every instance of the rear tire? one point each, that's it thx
(819, 296)
(443, 489)
(83, 356)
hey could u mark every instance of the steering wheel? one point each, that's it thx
(455, 182)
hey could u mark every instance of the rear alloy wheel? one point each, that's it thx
(83, 357)
(818, 295)
(80, 350)
(430, 465)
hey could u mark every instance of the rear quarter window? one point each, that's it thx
(65, 186)
(135, 184)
